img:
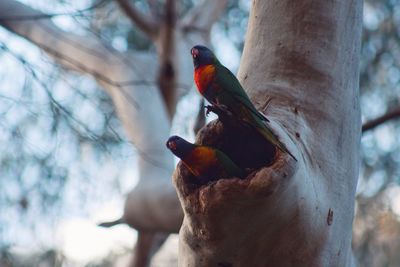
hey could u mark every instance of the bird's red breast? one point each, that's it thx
(203, 77)
(201, 160)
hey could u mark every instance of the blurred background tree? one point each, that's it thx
(376, 226)
(67, 163)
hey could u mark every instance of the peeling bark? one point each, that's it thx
(304, 54)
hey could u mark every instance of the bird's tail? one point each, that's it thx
(272, 138)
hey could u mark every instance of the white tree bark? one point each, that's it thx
(305, 55)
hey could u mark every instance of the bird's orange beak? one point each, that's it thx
(194, 52)
(171, 145)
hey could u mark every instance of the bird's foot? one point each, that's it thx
(218, 109)
(223, 113)
(209, 109)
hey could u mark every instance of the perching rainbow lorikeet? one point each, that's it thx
(222, 89)
(203, 161)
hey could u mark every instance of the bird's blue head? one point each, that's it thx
(202, 56)
(179, 146)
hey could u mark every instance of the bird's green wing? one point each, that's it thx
(230, 85)
(230, 167)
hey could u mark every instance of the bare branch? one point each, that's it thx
(70, 119)
(90, 53)
(146, 23)
(83, 54)
(111, 223)
(203, 16)
(393, 114)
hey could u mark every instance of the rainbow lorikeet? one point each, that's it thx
(222, 89)
(203, 161)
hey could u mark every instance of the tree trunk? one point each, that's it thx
(305, 55)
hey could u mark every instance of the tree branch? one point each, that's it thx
(82, 54)
(146, 23)
(391, 115)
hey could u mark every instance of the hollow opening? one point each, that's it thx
(242, 144)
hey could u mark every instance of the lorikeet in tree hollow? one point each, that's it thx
(203, 161)
(222, 89)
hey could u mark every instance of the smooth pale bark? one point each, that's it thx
(305, 55)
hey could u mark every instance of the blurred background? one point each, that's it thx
(65, 164)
